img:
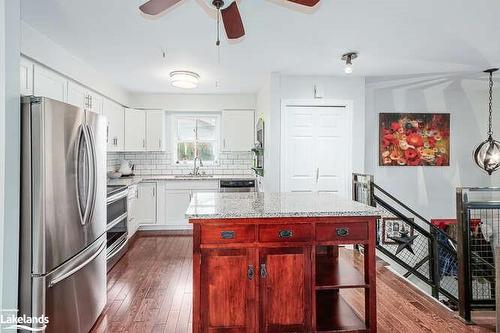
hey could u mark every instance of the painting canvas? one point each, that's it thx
(392, 227)
(414, 139)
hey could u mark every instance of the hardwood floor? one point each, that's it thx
(150, 291)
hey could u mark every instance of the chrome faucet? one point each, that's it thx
(196, 169)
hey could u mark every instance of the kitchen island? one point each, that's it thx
(269, 262)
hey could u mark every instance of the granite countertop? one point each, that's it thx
(188, 177)
(128, 181)
(125, 181)
(261, 205)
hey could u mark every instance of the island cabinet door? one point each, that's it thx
(285, 289)
(228, 296)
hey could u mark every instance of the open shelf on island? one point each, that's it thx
(337, 273)
(334, 314)
(336, 268)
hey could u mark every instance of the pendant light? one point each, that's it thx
(487, 154)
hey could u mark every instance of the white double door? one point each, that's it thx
(316, 149)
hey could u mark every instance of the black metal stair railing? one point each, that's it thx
(415, 244)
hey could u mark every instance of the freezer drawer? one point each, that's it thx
(74, 296)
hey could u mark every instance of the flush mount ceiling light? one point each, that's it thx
(487, 154)
(184, 79)
(348, 58)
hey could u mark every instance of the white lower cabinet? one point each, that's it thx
(132, 210)
(176, 204)
(146, 203)
(166, 205)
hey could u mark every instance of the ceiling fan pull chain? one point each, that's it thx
(218, 28)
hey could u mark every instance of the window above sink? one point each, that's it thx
(195, 135)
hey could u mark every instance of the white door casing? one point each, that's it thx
(316, 153)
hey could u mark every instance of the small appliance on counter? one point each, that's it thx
(126, 169)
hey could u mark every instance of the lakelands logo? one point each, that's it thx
(10, 320)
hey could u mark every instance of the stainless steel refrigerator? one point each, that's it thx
(63, 214)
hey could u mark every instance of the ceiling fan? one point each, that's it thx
(230, 15)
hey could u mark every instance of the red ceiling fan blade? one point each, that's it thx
(232, 21)
(155, 7)
(309, 3)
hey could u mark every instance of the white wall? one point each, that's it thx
(9, 151)
(431, 190)
(192, 102)
(302, 87)
(42, 49)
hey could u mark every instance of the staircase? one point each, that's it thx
(427, 255)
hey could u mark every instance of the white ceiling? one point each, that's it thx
(392, 36)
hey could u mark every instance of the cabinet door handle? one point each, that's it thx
(285, 234)
(224, 143)
(317, 174)
(250, 272)
(263, 271)
(342, 232)
(107, 133)
(143, 143)
(159, 143)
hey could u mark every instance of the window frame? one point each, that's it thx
(195, 117)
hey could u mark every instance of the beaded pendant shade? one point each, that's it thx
(487, 154)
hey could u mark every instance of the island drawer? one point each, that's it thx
(227, 234)
(348, 231)
(285, 233)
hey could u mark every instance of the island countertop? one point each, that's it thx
(269, 205)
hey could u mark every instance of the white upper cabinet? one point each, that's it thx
(26, 77)
(84, 98)
(49, 84)
(238, 130)
(115, 117)
(135, 130)
(155, 129)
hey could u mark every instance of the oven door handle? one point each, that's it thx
(116, 221)
(118, 248)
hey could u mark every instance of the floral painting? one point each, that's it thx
(414, 139)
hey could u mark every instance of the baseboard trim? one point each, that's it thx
(163, 233)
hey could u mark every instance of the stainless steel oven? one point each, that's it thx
(116, 228)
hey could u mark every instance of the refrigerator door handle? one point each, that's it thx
(93, 165)
(82, 170)
(66, 274)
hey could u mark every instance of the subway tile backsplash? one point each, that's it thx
(159, 163)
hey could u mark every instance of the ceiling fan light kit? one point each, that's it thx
(184, 79)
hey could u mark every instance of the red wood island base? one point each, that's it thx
(281, 274)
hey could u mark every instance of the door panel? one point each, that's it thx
(97, 130)
(146, 203)
(135, 130)
(58, 226)
(49, 84)
(316, 149)
(228, 302)
(115, 115)
(74, 301)
(238, 127)
(155, 130)
(285, 290)
(176, 204)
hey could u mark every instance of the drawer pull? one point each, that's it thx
(228, 234)
(342, 232)
(250, 272)
(285, 233)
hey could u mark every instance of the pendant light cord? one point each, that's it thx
(490, 107)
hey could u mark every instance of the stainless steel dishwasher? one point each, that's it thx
(237, 185)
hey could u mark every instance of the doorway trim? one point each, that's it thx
(347, 104)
